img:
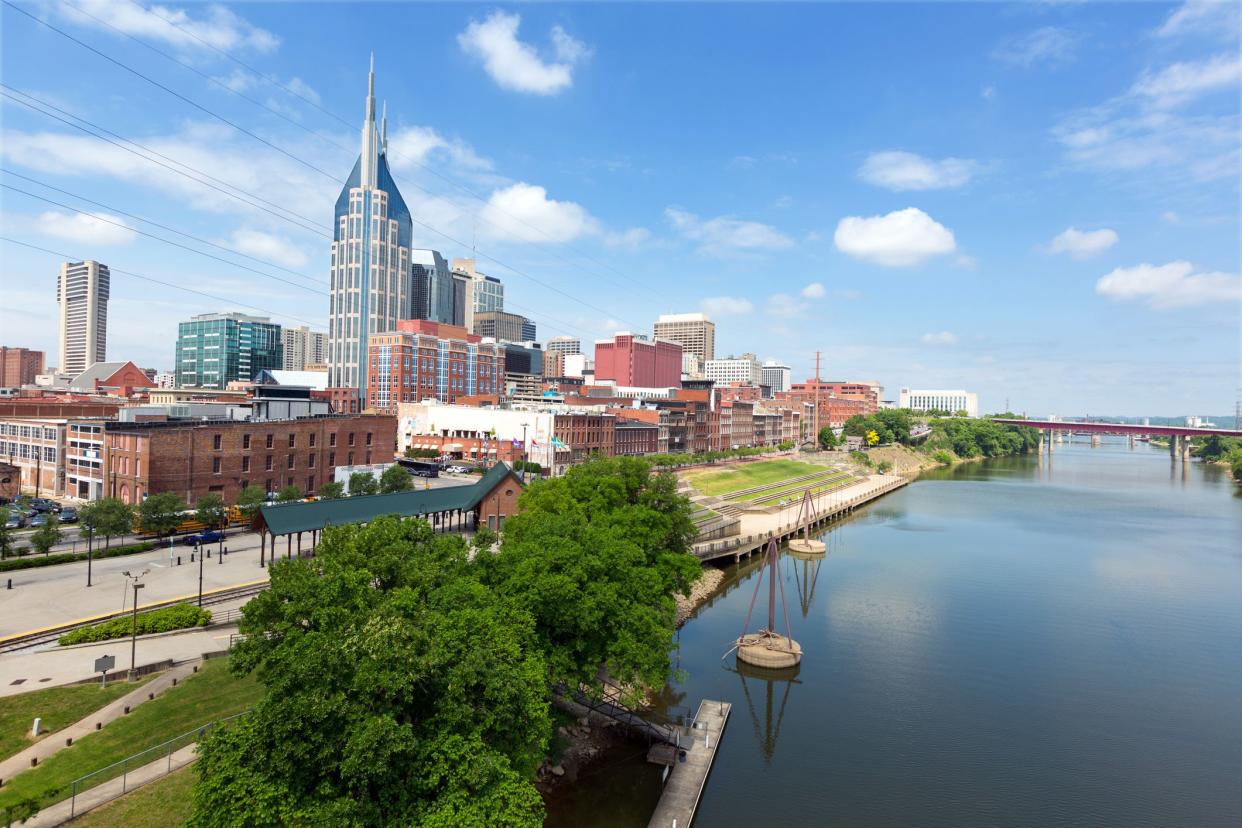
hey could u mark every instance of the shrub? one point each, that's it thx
(71, 557)
(860, 457)
(1235, 464)
(884, 466)
(176, 617)
(943, 457)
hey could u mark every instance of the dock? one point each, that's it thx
(686, 779)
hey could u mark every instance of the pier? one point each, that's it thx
(688, 775)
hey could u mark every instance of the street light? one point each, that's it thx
(133, 639)
(524, 425)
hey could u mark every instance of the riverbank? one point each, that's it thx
(703, 588)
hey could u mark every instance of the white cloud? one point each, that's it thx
(1212, 17)
(785, 306)
(517, 66)
(897, 170)
(217, 25)
(1180, 83)
(632, 238)
(93, 228)
(1082, 244)
(726, 235)
(939, 338)
(1171, 217)
(303, 89)
(409, 147)
(899, 239)
(1044, 45)
(726, 306)
(814, 290)
(524, 213)
(1172, 285)
(267, 246)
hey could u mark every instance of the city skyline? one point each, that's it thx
(1031, 230)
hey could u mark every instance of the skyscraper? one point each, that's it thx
(371, 284)
(693, 331)
(214, 349)
(434, 292)
(564, 345)
(483, 293)
(776, 375)
(82, 291)
(303, 347)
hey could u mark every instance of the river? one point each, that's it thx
(1018, 641)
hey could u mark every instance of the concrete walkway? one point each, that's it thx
(684, 787)
(56, 742)
(66, 810)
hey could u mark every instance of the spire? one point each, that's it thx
(370, 140)
(384, 130)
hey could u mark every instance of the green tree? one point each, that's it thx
(827, 438)
(395, 479)
(109, 516)
(210, 511)
(289, 494)
(1235, 464)
(596, 557)
(47, 535)
(331, 490)
(249, 500)
(362, 483)
(161, 513)
(6, 538)
(400, 691)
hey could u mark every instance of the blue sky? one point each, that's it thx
(1039, 202)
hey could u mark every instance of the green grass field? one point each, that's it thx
(828, 476)
(59, 707)
(164, 802)
(749, 475)
(211, 694)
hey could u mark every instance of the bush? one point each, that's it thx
(860, 457)
(177, 617)
(884, 466)
(71, 557)
(1235, 464)
(943, 457)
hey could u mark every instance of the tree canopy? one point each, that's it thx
(331, 490)
(161, 513)
(210, 510)
(395, 479)
(249, 499)
(362, 483)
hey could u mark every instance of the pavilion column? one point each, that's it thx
(289, 546)
(299, 544)
(262, 547)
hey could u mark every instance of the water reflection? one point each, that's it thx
(767, 731)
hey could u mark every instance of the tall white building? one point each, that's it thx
(919, 399)
(563, 345)
(482, 292)
(82, 292)
(303, 347)
(776, 376)
(695, 332)
(371, 277)
(745, 368)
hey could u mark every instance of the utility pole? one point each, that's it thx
(198, 547)
(816, 429)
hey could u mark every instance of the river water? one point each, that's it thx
(1019, 642)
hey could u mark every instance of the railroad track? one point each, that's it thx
(33, 638)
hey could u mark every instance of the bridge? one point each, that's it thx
(1179, 436)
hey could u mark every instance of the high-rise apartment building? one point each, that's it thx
(214, 349)
(82, 291)
(563, 345)
(635, 361)
(371, 285)
(303, 347)
(775, 376)
(483, 293)
(951, 400)
(423, 360)
(19, 366)
(745, 368)
(502, 325)
(693, 331)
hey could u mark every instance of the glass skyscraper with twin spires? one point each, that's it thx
(371, 284)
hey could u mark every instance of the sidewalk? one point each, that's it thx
(55, 742)
(65, 810)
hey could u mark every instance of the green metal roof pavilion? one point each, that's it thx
(288, 518)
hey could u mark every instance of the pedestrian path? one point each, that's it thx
(58, 741)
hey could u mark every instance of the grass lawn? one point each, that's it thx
(210, 694)
(748, 475)
(164, 802)
(796, 488)
(59, 707)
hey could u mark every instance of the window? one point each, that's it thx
(268, 467)
(349, 459)
(332, 458)
(216, 442)
(312, 439)
(332, 439)
(245, 442)
(310, 483)
(351, 438)
(269, 441)
(289, 462)
(293, 440)
(368, 438)
(215, 465)
(310, 463)
(245, 464)
(269, 485)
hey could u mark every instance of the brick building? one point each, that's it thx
(635, 438)
(19, 366)
(585, 434)
(833, 411)
(37, 448)
(634, 361)
(424, 359)
(191, 459)
(866, 393)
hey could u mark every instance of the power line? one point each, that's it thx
(155, 224)
(159, 239)
(68, 257)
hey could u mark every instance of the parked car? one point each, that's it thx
(38, 520)
(199, 538)
(42, 504)
(14, 520)
(458, 470)
(69, 514)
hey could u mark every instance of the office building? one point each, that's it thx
(19, 366)
(303, 347)
(691, 366)
(952, 401)
(437, 296)
(214, 349)
(423, 360)
(482, 292)
(866, 393)
(528, 331)
(632, 360)
(729, 370)
(503, 326)
(36, 446)
(693, 331)
(563, 345)
(775, 376)
(82, 292)
(371, 286)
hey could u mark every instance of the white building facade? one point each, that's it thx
(776, 376)
(82, 292)
(745, 368)
(954, 400)
(303, 347)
